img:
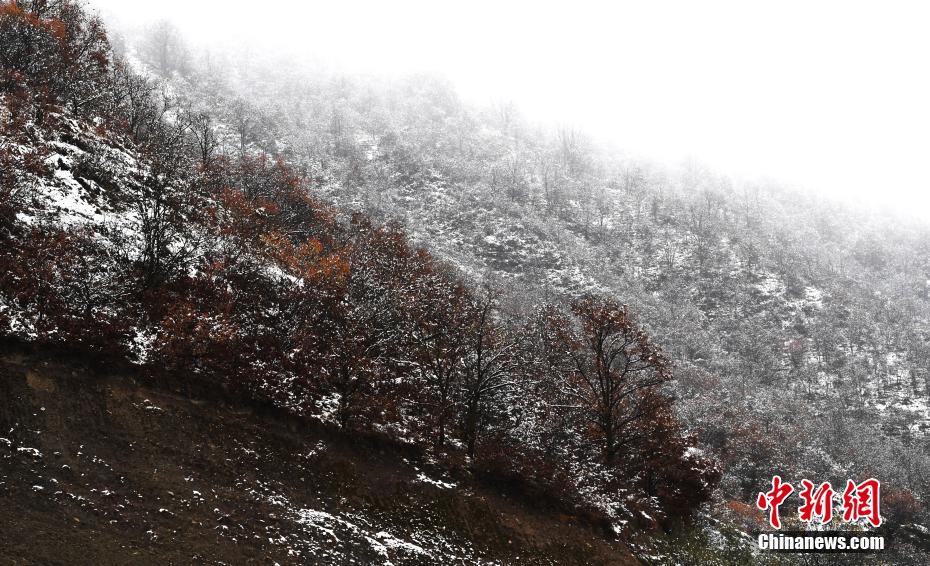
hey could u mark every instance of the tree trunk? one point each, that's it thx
(471, 428)
(609, 444)
(441, 438)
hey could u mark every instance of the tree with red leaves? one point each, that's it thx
(56, 51)
(612, 371)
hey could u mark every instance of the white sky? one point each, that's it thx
(830, 95)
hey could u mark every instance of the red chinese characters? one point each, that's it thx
(773, 499)
(817, 503)
(861, 501)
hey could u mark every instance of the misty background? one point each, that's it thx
(826, 97)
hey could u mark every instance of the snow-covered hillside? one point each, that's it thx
(355, 320)
(769, 301)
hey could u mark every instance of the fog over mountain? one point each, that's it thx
(402, 283)
(825, 97)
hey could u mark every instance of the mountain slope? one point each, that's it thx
(97, 467)
(179, 229)
(781, 311)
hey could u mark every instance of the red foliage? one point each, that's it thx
(243, 279)
(59, 57)
(899, 507)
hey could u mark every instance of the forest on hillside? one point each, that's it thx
(643, 344)
(785, 314)
(127, 232)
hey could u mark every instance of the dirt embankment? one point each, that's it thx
(97, 467)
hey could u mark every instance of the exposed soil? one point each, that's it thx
(98, 466)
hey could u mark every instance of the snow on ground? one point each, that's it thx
(423, 478)
(331, 534)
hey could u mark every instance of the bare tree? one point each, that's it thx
(164, 49)
(202, 129)
(489, 368)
